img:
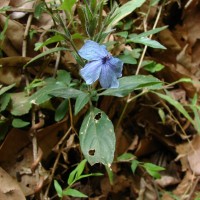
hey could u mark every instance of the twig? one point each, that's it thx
(57, 63)
(139, 65)
(28, 25)
(188, 3)
(24, 44)
(145, 48)
(56, 162)
(34, 143)
(194, 185)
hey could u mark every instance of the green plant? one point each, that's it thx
(150, 168)
(75, 176)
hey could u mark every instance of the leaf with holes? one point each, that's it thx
(97, 138)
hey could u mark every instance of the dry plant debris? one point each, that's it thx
(42, 148)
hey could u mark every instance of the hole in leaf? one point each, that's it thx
(97, 116)
(91, 152)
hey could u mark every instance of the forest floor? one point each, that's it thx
(37, 148)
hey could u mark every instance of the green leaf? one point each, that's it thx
(64, 77)
(126, 157)
(5, 89)
(77, 36)
(67, 5)
(81, 101)
(39, 9)
(61, 110)
(123, 34)
(58, 188)
(128, 59)
(88, 175)
(20, 104)
(80, 168)
(147, 41)
(134, 165)
(97, 138)
(65, 92)
(3, 32)
(4, 101)
(110, 175)
(74, 175)
(148, 33)
(153, 67)
(55, 38)
(153, 167)
(162, 115)
(35, 83)
(154, 2)
(56, 49)
(176, 104)
(129, 83)
(4, 127)
(55, 87)
(19, 123)
(73, 193)
(195, 110)
(43, 94)
(153, 170)
(125, 10)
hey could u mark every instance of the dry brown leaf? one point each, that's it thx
(182, 150)
(17, 158)
(20, 4)
(189, 155)
(48, 137)
(13, 27)
(9, 149)
(191, 23)
(147, 191)
(11, 69)
(167, 39)
(193, 155)
(45, 21)
(183, 189)
(4, 3)
(9, 188)
(8, 48)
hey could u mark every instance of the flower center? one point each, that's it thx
(104, 60)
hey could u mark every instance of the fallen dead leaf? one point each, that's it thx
(193, 156)
(9, 188)
(13, 27)
(4, 3)
(20, 4)
(147, 191)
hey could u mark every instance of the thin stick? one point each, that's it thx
(139, 66)
(28, 25)
(56, 163)
(24, 44)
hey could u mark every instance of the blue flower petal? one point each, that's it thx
(108, 78)
(93, 51)
(116, 65)
(91, 71)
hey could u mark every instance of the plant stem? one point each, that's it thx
(139, 66)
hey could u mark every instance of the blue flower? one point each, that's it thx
(101, 65)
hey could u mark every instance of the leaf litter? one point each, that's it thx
(169, 141)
